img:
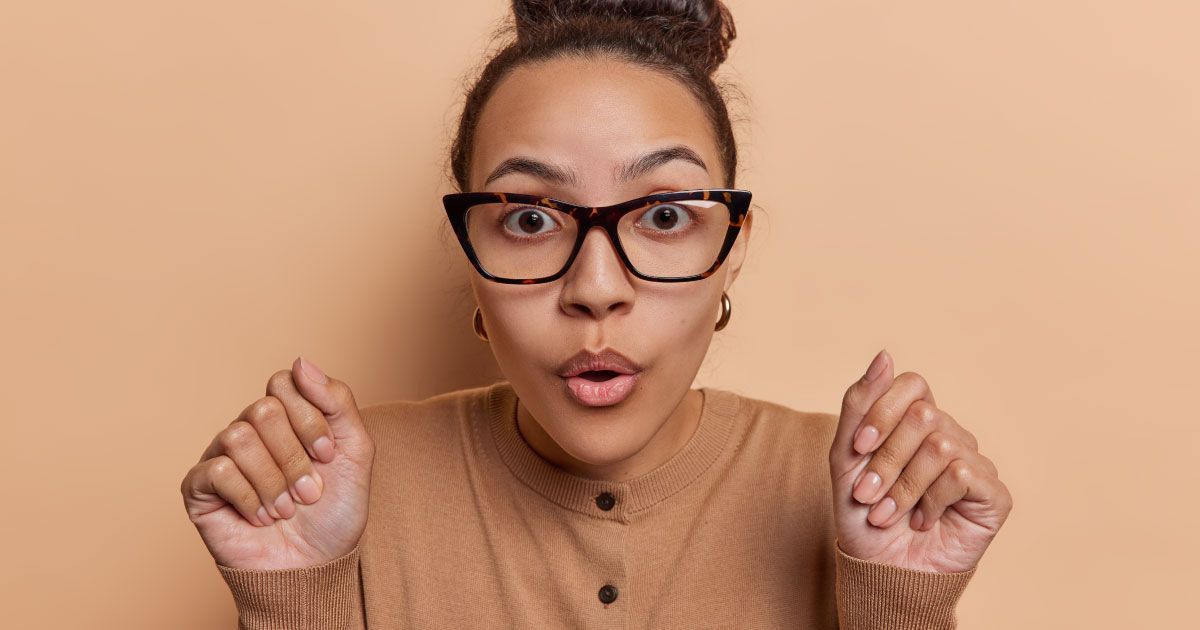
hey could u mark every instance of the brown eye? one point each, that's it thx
(529, 221)
(665, 218)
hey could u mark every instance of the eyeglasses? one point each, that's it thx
(667, 237)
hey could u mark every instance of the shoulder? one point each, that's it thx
(773, 426)
(433, 422)
(791, 448)
(780, 417)
(422, 455)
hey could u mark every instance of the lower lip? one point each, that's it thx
(601, 393)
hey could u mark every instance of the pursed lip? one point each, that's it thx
(606, 359)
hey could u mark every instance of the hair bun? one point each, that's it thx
(699, 31)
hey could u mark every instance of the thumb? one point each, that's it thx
(334, 399)
(859, 398)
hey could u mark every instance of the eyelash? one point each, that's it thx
(694, 220)
(505, 215)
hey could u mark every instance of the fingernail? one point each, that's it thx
(323, 447)
(882, 511)
(307, 489)
(865, 438)
(263, 517)
(877, 365)
(918, 519)
(285, 505)
(313, 372)
(867, 487)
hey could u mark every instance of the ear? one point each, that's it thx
(737, 255)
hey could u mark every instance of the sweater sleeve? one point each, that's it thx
(872, 596)
(323, 596)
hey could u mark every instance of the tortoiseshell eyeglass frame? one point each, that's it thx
(606, 217)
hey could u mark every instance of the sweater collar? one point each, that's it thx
(712, 436)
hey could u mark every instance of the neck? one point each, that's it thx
(668, 440)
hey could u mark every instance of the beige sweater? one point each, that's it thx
(469, 527)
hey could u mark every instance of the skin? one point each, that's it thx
(666, 327)
(910, 487)
(268, 493)
(286, 483)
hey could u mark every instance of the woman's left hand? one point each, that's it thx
(910, 487)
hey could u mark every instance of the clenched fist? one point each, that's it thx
(286, 484)
(910, 486)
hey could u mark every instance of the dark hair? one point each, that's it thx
(685, 39)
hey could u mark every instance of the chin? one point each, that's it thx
(608, 454)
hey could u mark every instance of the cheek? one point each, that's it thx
(685, 307)
(525, 320)
(673, 325)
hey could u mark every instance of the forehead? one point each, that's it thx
(591, 116)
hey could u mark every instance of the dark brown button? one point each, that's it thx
(608, 593)
(605, 501)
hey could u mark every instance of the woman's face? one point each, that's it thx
(588, 121)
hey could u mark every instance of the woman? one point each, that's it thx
(593, 487)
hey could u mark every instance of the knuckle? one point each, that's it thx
(922, 414)
(237, 435)
(851, 402)
(221, 467)
(989, 465)
(971, 440)
(886, 414)
(343, 394)
(264, 409)
(279, 382)
(960, 471)
(186, 483)
(991, 468)
(914, 380)
(941, 445)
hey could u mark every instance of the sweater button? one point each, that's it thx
(608, 593)
(605, 501)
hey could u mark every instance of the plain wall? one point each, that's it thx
(1004, 195)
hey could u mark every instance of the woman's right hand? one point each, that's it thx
(300, 457)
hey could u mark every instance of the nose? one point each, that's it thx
(597, 282)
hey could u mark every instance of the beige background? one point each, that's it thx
(1005, 195)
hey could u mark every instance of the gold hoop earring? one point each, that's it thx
(726, 311)
(477, 324)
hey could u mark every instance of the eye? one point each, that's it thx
(666, 218)
(529, 221)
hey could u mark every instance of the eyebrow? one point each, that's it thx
(561, 176)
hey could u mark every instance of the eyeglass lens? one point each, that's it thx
(666, 239)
